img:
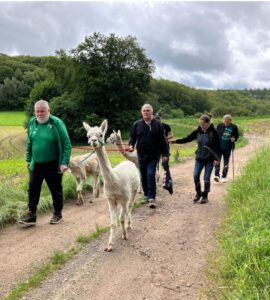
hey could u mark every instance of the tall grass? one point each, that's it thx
(14, 195)
(243, 262)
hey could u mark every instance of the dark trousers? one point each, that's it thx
(49, 172)
(148, 177)
(226, 158)
(208, 167)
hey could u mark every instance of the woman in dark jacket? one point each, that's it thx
(207, 155)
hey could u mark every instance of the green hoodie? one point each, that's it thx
(62, 139)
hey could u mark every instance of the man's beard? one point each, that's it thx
(43, 120)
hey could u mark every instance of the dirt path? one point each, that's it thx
(164, 257)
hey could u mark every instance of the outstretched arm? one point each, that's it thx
(191, 137)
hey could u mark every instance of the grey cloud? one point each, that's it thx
(211, 38)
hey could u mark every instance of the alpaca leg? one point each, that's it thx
(129, 215)
(96, 186)
(130, 206)
(140, 189)
(79, 198)
(123, 222)
(79, 191)
(113, 215)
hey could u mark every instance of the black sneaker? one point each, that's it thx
(29, 219)
(197, 197)
(204, 198)
(56, 219)
(152, 203)
(216, 178)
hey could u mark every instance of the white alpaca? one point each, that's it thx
(121, 183)
(81, 169)
(115, 138)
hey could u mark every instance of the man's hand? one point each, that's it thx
(27, 165)
(131, 149)
(165, 158)
(64, 168)
(232, 139)
(215, 162)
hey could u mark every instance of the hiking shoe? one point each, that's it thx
(29, 219)
(204, 198)
(152, 203)
(197, 197)
(216, 179)
(224, 179)
(56, 219)
(144, 200)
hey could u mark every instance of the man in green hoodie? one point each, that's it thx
(48, 150)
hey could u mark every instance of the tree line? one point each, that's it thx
(111, 77)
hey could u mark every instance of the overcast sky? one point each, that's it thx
(212, 45)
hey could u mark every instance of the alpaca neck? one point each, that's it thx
(121, 148)
(105, 165)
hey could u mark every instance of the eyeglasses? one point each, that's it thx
(146, 110)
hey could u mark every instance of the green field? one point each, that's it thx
(12, 118)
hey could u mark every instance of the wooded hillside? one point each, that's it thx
(111, 77)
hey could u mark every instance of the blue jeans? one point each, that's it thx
(208, 167)
(148, 177)
(226, 158)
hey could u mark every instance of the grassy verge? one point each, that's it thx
(243, 261)
(84, 239)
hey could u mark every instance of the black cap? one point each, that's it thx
(157, 115)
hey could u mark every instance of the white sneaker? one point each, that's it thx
(216, 178)
(224, 179)
(152, 203)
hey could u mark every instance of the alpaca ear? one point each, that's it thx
(86, 126)
(104, 126)
(114, 131)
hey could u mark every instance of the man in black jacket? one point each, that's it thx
(228, 135)
(148, 136)
(207, 155)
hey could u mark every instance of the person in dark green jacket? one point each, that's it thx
(48, 150)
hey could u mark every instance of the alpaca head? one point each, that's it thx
(114, 138)
(96, 134)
